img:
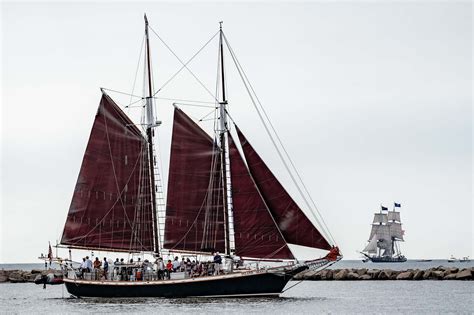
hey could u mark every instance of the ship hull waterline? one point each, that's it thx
(254, 284)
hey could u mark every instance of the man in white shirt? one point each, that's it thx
(176, 264)
(88, 264)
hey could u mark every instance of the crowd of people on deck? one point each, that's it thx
(140, 270)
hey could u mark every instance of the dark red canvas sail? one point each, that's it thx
(293, 223)
(111, 206)
(194, 210)
(255, 232)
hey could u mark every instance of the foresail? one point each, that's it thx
(293, 223)
(255, 232)
(111, 205)
(194, 211)
(372, 246)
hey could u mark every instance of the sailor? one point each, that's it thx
(217, 263)
(169, 268)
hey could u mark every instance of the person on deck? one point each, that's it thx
(176, 264)
(83, 267)
(88, 264)
(97, 265)
(106, 268)
(160, 266)
(169, 268)
(217, 263)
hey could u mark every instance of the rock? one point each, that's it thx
(407, 275)
(352, 276)
(426, 274)
(361, 272)
(394, 275)
(385, 274)
(315, 276)
(35, 271)
(365, 277)
(341, 275)
(373, 273)
(418, 275)
(327, 274)
(464, 274)
(437, 274)
(3, 278)
(451, 276)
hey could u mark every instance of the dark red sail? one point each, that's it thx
(293, 223)
(194, 210)
(256, 233)
(111, 206)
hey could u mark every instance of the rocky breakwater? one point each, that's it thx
(20, 276)
(438, 273)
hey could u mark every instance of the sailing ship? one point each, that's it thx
(213, 190)
(385, 236)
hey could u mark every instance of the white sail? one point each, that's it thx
(396, 230)
(372, 246)
(382, 232)
(380, 218)
(394, 216)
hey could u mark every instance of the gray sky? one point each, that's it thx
(373, 102)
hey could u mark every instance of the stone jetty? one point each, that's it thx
(437, 273)
(20, 276)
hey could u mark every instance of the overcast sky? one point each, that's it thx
(373, 102)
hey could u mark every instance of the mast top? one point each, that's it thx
(220, 25)
(146, 20)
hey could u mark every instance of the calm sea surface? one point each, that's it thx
(335, 297)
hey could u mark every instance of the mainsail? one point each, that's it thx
(111, 208)
(194, 210)
(295, 227)
(256, 233)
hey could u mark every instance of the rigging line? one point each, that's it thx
(138, 67)
(131, 104)
(207, 115)
(195, 105)
(182, 100)
(185, 64)
(120, 92)
(240, 70)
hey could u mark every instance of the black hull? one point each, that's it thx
(260, 284)
(388, 259)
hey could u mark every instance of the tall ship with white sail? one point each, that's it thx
(221, 197)
(385, 236)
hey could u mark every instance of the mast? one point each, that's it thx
(150, 121)
(223, 131)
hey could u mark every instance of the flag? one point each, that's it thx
(384, 208)
(50, 252)
(397, 205)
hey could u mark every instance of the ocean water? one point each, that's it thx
(307, 297)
